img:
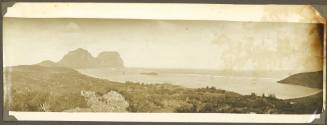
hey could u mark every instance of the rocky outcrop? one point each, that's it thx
(110, 102)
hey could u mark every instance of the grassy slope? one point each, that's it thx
(60, 88)
(309, 103)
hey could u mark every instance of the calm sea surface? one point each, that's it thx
(240, 82)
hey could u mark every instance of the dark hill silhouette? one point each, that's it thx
(81, 58)
(308, 79)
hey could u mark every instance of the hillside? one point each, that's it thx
(59, 89)
(309, 79)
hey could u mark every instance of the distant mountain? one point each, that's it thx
(81, 58)
(309, 79)
(48, 63)
(109, 59)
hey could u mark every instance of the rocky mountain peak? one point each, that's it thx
(110, 59)
(81, 58)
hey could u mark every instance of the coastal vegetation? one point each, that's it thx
(57, 89)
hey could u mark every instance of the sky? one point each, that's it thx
(173, 11)
(221, 45)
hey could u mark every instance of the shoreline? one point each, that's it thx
(204, 86)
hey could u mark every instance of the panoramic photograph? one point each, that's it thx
(162, 66)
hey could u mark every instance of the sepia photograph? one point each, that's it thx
(132, 65)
